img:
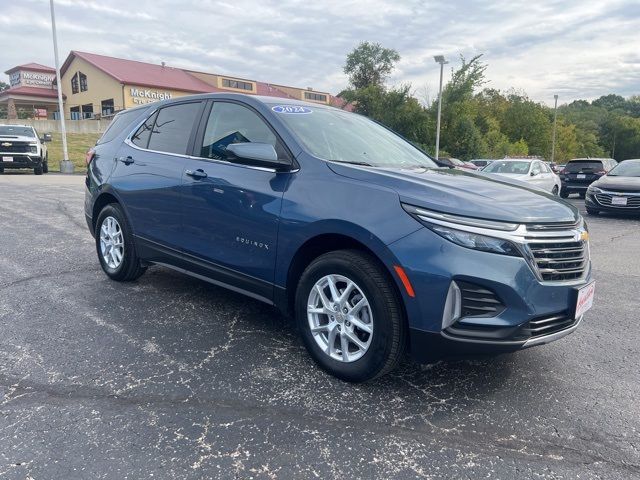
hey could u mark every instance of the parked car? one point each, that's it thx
(555, 168)
(481, 162)
(579, 173)
(534, 172)
(21, 147)
(339, 222)
(617, 191)
(470, 166)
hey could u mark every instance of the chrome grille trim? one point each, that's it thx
(605, 199)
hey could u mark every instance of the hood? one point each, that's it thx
(618, 184)
(466, 193)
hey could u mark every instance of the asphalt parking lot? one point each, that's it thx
(170, 377)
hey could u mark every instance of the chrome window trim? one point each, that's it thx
(128, 141)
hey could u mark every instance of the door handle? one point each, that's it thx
(126, 160)
(196, 173)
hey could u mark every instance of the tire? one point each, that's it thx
(564, 193)
(582, 194)
(129, 267)
(45, 165)
(592, 211)
(555, 190)
(38, 170)
(387, 339)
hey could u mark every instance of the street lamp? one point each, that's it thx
(65, 165)
(439, 59)
(555, 119)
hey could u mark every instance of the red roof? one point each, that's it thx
(143, 74)
(31, 92)
(269, 90)
(341, 103)
(36, 67)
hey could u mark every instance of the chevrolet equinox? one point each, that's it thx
(340, 223)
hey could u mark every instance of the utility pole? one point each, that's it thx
(439, 59)
(66, 166)
(555, 120)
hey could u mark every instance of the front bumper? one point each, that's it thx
(632, 207)
(528, 311)
(20, 160)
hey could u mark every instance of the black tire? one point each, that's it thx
(554, 190)
(389, 337)
(592, 211)
(38, 170)
(130, 267)
(45, 165)
(582, 194)
(1, 170)
(564, 193)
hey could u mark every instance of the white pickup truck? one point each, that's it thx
(21, 147)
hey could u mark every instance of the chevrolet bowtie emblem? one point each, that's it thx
(7, 144)
(584, 236)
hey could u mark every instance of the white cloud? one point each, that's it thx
(579, 49)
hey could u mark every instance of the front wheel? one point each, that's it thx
(564, 193)
(350, 316)
(38, 170)
(592, 211)
(555, 190)
(45, 165)
(115, 247)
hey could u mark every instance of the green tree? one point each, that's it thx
(370, 64)
(3, 86)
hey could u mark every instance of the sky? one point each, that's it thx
(578, 49)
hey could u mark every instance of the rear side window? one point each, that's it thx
(578, 166)
(172, 128)
(119, 123)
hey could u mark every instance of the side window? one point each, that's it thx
(545, 168)
(172, 128)
(536, 168)
(232, 123)
(119, 122)
(142, 135)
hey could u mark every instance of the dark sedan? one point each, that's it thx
(617, 191)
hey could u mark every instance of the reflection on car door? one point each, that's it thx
(231, 211)
(149, 172)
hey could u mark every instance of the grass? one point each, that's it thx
(77, 144)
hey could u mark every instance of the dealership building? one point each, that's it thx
(97, 86)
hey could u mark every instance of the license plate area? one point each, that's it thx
(7, 159)
(584, 300)
(581, 176)
(619, 201)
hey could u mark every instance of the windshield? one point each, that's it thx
(628, 168)
(11, 131)
(340, 136)
(497, 166)
(583, 165)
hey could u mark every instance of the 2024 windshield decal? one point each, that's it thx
(291, 109)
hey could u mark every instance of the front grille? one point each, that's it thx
(15, 147)
(633, 201)
(547, 325)
(478, 301)
(558, 251)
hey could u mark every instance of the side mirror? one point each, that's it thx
(257, 154)
(46, 138)
(533, 173)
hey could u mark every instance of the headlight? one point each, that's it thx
(33, 148)
(465, 231)
(477, 241)
(592, 189)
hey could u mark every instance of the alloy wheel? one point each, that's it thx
(111, 242)
(340, 318)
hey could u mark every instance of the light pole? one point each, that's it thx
(439, 59)
(555, 119)
(65, 165)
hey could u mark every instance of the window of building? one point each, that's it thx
(240, 85)
(173, 127)
(87, 110)
(74, 84)
(231, 123)
(318, 97)
(107, 108)
(75, 113)
(83, 82)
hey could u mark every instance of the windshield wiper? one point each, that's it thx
(355, 162)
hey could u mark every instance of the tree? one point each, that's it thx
(370, 64)
(3, 86)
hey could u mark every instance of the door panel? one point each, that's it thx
(231, 211)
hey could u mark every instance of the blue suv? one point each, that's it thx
(342, 224)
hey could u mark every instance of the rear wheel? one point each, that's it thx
(115, 247)
(582, 194)
(564, 193)
(350, 316)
